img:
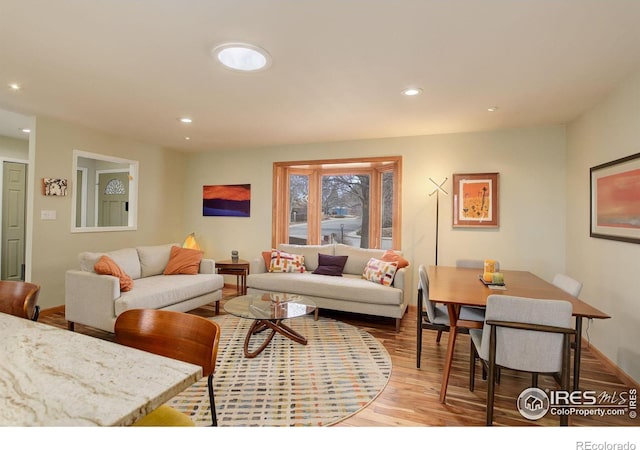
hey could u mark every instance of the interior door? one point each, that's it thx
(14, 177)
(113, 196)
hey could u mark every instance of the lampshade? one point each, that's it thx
(190, 242)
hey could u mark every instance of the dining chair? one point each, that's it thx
(567, 284)
(432, 316)
(20, 298)
(475, 264)
(176, 335)
(523, 334)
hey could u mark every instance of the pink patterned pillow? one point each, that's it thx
(381, 272)
(286, 262)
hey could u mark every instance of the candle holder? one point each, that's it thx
(234, 256)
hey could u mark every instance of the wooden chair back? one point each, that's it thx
(176, 335)
(19, 298)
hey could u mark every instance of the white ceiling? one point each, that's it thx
(134, 67)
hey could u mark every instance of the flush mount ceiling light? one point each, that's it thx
(411, 92)
(492, 109)
(242, 57)
(25, 130)
(185, 119)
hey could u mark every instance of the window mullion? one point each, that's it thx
(314, 207)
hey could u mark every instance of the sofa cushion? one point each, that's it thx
(381, 272)
(348, 287)
(391, 256)
(153, 259)
(330, 265)
(161, 291)
(107, 266)
(286, 262)
(358, 257)
(126, 258)
(183, 261)
(310, 253)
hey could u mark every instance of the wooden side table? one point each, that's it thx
(239, 268)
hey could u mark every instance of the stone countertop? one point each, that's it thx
(54, 377)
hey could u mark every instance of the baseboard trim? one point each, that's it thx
(53, 310)
(626, 379)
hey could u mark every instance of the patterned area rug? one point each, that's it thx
(339, 372)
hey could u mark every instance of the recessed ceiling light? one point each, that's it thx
(14, 86)
(242, 57)
(186, 120)
(492, 109)
(410, 92)
(25, 130)
(187, 138)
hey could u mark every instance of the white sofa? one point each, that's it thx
(95, 300)
(350, 292)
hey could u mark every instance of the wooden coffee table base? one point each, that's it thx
(276, 326)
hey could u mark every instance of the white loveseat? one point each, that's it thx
(349, 292)
(95, 300)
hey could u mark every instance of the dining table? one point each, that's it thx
(458, 286)
(51, 376)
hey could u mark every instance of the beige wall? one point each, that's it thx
(54, 247)
(609, 269)
(531, 163)
(13, 148)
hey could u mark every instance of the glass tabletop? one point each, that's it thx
(270, 306)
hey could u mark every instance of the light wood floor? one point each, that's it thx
(412, 396)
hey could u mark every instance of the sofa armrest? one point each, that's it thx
(207, 266)
(257, 265)
(400, 280)
(89, 298)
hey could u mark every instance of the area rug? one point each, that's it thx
(339, 372)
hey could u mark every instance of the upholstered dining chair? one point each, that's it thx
(474, 264)
(567, 284)
(436, 317)
(176, 335)
(20, 298)
(523, 334)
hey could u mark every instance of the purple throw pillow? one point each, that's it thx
(330, 265)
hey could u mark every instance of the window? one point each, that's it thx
(354, 201)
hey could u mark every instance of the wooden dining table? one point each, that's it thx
(54, 377)
(456, 286)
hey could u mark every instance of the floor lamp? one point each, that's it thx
(437, 191)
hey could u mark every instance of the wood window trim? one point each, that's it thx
(375, 167)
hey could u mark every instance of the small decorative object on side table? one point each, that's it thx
(237, 267)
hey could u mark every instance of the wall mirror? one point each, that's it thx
(104, 193)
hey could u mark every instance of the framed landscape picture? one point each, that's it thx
(233, 200)
(615, 200)
(475, 200)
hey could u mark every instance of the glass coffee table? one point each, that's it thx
(267, 312)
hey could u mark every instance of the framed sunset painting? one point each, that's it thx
(475, 200)
(615, 200)
(231, 200)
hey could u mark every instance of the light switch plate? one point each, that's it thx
(48, 214)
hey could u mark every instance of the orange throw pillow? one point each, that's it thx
(391, 256)
(107, 266)
(185, 261)
(267, 258)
